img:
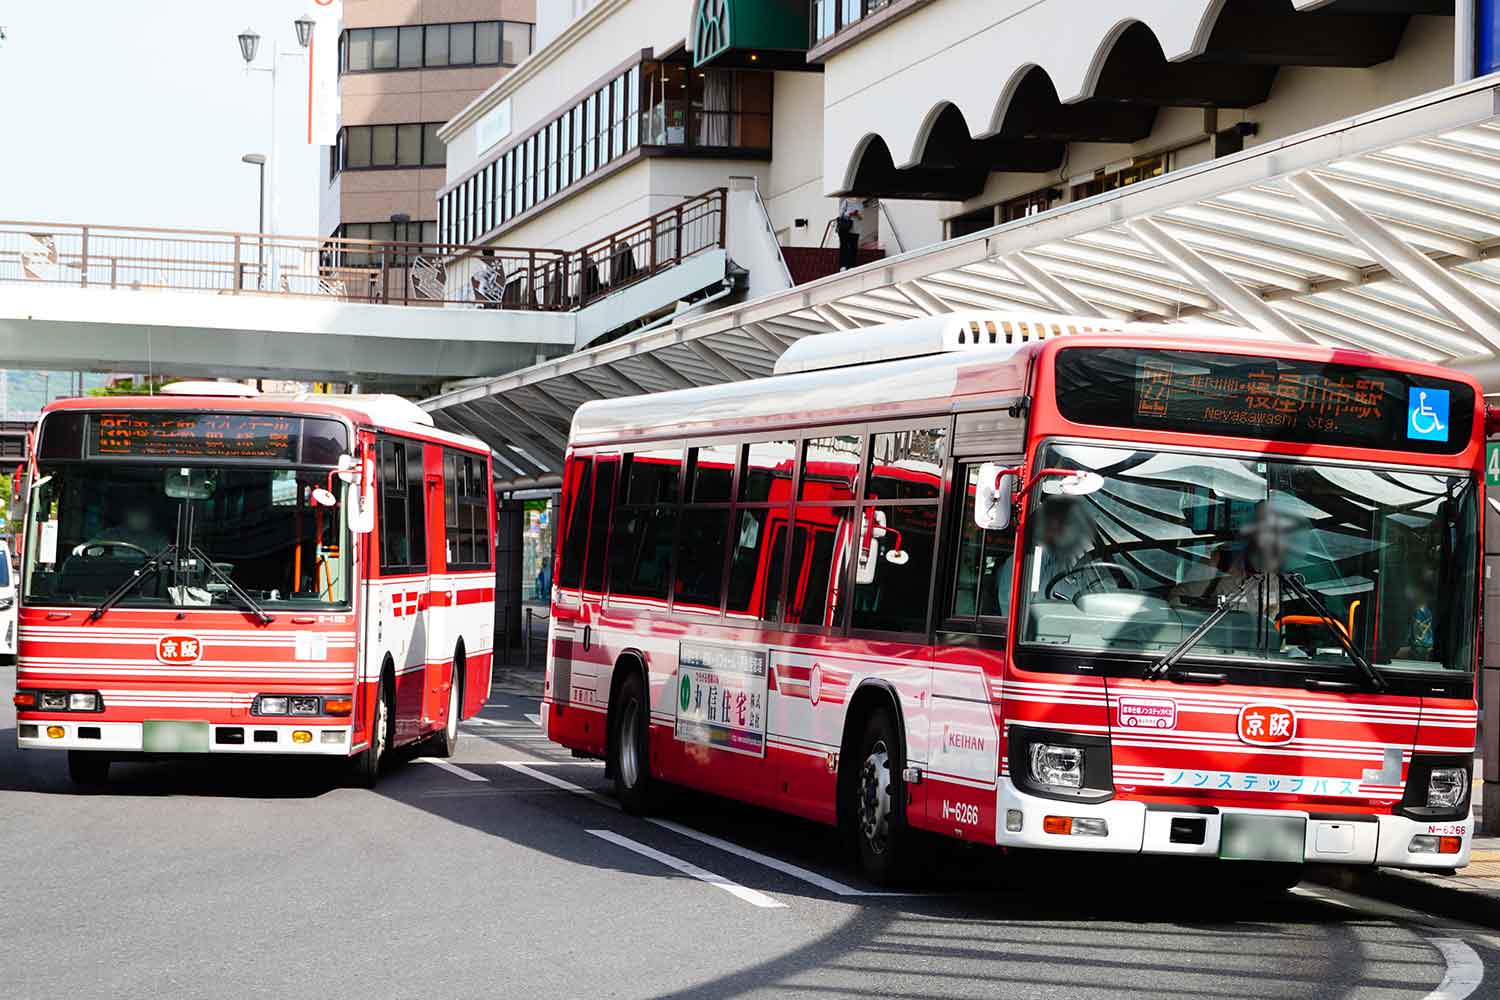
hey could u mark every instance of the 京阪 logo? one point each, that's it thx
(179, 649)
(1427, 414)
(1267, 725)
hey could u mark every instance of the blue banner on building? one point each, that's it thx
(1486, 36)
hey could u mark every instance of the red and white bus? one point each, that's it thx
(1039, 582)
(206, 573)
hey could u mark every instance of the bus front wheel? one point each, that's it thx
(879, 821)
(629, 746)
(88, 767)
(364, 768)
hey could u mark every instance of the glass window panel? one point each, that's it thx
(437, 45)
(894, 572)
(575, 538)
(599, 513)
(907, 465)
(633, 108)
(461, 45)
(588, 134)
(487, 43)
(756, 563)
(382, 232)
(565, 149)
(711, 469)
(358, 50)
(517, 42)
(409, 145)
(383, 51)
(653, 476)
(640, 552)
(434, 151)
(383, 145)
(700, 559)
(409, 47)
(767, 471)
(983, 565)
(357, 146)
(830, 467)
(820, 553)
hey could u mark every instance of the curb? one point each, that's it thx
(1444, 895)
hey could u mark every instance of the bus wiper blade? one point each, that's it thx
(1177, 652)
(261, 613)
(150, 567)
(1302, 590)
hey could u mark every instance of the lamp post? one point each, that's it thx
(249, 41)
(259, 160)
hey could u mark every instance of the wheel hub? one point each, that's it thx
(875, 797)
(629, 764)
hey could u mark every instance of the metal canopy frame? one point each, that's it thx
(1380, 232)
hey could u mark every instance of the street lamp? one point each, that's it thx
(249, 40)
(259, 160)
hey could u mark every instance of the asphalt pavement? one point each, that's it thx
(508, 871)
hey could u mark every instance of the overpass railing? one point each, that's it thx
(392, 273)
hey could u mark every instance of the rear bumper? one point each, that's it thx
(1135, 829)
(127, 737)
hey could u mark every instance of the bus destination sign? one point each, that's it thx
(1264, 397)
(153, 434)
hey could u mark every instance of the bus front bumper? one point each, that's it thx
(238, 737)
(1134, 828)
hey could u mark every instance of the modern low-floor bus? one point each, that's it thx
(212, 571)
(1039, 582)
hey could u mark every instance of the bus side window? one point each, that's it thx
(575, 535)
(599, 512)
(395, 549)
(983, 565)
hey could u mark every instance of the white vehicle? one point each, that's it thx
(7, 606)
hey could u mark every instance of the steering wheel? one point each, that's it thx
(1125, 573)
(87, 548)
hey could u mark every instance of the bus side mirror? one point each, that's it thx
(362, 477)
(994, 494)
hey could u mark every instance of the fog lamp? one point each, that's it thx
(302, 736)
(55, 732)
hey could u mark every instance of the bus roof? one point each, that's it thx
(812, 387)
(379, 411)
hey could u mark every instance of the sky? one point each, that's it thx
(136, 113)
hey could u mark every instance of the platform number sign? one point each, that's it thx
(1492, 463)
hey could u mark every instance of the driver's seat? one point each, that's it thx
(82, 575)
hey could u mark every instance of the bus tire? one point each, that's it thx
(88, 767)
(364, 767)
(445, 743)
(629, 746)
(877, 811)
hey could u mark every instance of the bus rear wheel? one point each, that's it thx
(629, 747)
(877, 813)
(445, 743)
(88, 767)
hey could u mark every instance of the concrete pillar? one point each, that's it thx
(509, 587)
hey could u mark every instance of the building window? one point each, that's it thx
(971, 222)
(707, 108)
(1142, 169)
(1028, 204)
(426, 46)
(365, 147)
(829, 17)
(424, 233)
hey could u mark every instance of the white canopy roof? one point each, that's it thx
(1380, 232)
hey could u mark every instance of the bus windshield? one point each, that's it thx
(277, 533)
(1135, 567)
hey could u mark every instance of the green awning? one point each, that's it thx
(770, 33)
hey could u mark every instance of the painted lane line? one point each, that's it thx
(775, 864)
(556, 782)
(489, 722)
(463, 773)
(553, 763)
(536, 719)
(1464, 973)
(749, 895)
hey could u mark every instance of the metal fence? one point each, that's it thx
(393, 273)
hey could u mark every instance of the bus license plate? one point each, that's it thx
(1258, 837)
(174, 737)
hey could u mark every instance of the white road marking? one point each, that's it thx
(1465, 970)
(553, 763)
(536, 719)
(556, 782)
(489, 722)
(463, 773)
(749, 895)
(775, 864)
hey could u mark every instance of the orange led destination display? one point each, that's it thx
(148, 434)
(1282, 399)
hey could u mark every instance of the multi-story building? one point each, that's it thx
(405, 67)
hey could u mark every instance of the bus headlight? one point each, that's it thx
(1446, 787)
(83, 701)
(306, 704)
(270, 704)
(53, 701)
(1058, 766)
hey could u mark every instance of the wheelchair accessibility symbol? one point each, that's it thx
(1427, 415)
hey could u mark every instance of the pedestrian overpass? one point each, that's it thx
(404, 317)
(1380, 232)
